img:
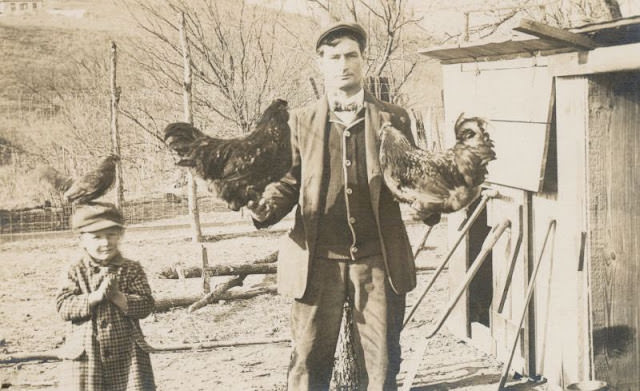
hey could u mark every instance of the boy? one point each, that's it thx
(102, 296)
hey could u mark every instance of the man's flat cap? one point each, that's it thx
(96, 216)
(353, 28)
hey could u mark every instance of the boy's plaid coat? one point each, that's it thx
(106, 344)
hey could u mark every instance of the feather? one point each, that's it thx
(53, 177)
(434, 183)
(239, 168)
(93, 184)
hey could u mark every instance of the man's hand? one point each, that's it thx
(261, 210)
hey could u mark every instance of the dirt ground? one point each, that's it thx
(28, 322)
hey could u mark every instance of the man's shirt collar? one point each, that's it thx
(357, 99)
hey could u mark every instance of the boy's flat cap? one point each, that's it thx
(354, 28)
(96, 216)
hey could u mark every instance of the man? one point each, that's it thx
(348, 239)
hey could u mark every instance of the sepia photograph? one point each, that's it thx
(308, 195)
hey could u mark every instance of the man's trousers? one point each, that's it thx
(377, 316)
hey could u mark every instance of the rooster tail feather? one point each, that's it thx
(57, 180)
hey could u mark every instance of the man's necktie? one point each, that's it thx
(338, 106)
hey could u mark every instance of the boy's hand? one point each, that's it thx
(100, 294)
(115, 295)
(112, 286)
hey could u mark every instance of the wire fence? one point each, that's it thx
(427, 127)
(51, 219)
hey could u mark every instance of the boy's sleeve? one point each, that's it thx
(140, 302)
(72, 304)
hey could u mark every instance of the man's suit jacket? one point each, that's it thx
(301, 187)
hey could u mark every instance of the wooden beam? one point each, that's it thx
(547, 32)
(609, 24)
(601, 60)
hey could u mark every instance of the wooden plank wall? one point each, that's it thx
(517, 95)
(614, 219)
(458, 321)
(560, 299)
(594, 194)
(504, 325)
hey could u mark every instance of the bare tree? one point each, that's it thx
(490, 19)
(392, 45)
(69, 126)
(239, 58)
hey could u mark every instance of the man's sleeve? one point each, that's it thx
(283, 194)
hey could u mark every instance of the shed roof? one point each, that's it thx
(551, 40)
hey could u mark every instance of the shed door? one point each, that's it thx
(613, 177)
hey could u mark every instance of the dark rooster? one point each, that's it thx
(241, 167)
(434, 183)
(89, 186)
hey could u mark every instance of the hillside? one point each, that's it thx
(54, 75)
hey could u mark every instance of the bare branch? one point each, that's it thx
(154, 133)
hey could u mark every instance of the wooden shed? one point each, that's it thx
(564, 107)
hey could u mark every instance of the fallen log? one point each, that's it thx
(243, 234)
(233, 270)
(166, 303)
(16, 358)
(217, 291)
(173, 272)
(53, 355)
(32, 385)
(264, 265)
(214, 345)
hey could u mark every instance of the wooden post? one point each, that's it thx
(206, 287)
(466, 26)
(316, 93)
(115, 136)
(194, 212)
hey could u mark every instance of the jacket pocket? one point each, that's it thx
(76, 338)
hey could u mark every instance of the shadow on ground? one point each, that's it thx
(455, 383)
(470, 376)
